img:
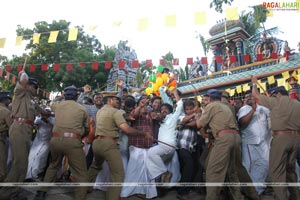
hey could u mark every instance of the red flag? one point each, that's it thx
(232, 59)
(274, 55)
(219, 59)
(19, 68)
(204, 60)
(8, 68)
(121, 64)
(7, 75)
(82, 64)
(95, 66)
(176, 61)
(107, 65)
(32, 68)
(247, 58)
(56, 67)
(135, 64)
(259, 57)
(162, 62)
(1, 72)
(44, 67)
(69, 67)
(149, 63)
(189, 61)
(13, 79)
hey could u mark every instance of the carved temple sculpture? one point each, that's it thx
(127, 73)
(228, 44)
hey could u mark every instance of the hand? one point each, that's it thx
(86, 89)
(143, 102)
(254, 79)
(148, 137)
(120, 83)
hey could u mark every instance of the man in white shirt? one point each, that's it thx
(255, 136)
(164, 151)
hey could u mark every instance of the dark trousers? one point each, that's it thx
(186, 161)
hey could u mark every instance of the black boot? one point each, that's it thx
(40, 195)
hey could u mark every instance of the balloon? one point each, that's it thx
(171, 88)
(152, 78)
(160, 68)
(173, 83)
(159, 81)
(155, 87)
(165, 77)
(148, 91)
(158, 74)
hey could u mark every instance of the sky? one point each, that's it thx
(152, 43)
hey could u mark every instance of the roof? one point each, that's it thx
(230, 78)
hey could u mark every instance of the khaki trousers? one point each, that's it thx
(3, 154)
(108, 150)
(222, 162)
(282, 164)
(73, 149)
(19, 141)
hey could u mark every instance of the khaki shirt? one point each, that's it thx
(108, 121)
(5, 118)
(70, 116)
(217, 116)
(22, 105)
(285, 112)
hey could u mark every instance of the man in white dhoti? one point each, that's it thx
(40, 147)
(255, 135)
(162, 153)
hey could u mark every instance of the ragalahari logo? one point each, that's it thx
(273, 5)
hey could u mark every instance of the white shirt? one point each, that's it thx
(167, 132)
(258, 127)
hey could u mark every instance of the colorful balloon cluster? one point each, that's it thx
(159, 79)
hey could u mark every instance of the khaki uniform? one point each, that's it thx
(20, 134)
(285, 114)
(70, 117)
(106, 148)
(222, 156)
(242, 173)
(5, 122)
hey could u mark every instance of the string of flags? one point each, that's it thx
(13, 79)
(199, 19)
(134, 64)
(264, 82)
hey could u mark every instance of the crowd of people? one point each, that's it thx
(137, 138)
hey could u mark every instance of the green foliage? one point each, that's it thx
(218, 4)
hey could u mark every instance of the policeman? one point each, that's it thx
(222, 158)
(5, 122)
(24, 111)
(71, 124)
(105, 147)
(285, 114)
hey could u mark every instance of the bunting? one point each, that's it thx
(2, 42)
(73, 32)
(53, 36)
(19, 40)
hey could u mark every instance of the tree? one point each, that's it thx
(205, 45)
(85, 49)
(218, 4)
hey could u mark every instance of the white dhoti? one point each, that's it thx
(137, 173)
(37, 159)
(256, 161)
(160, 159)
